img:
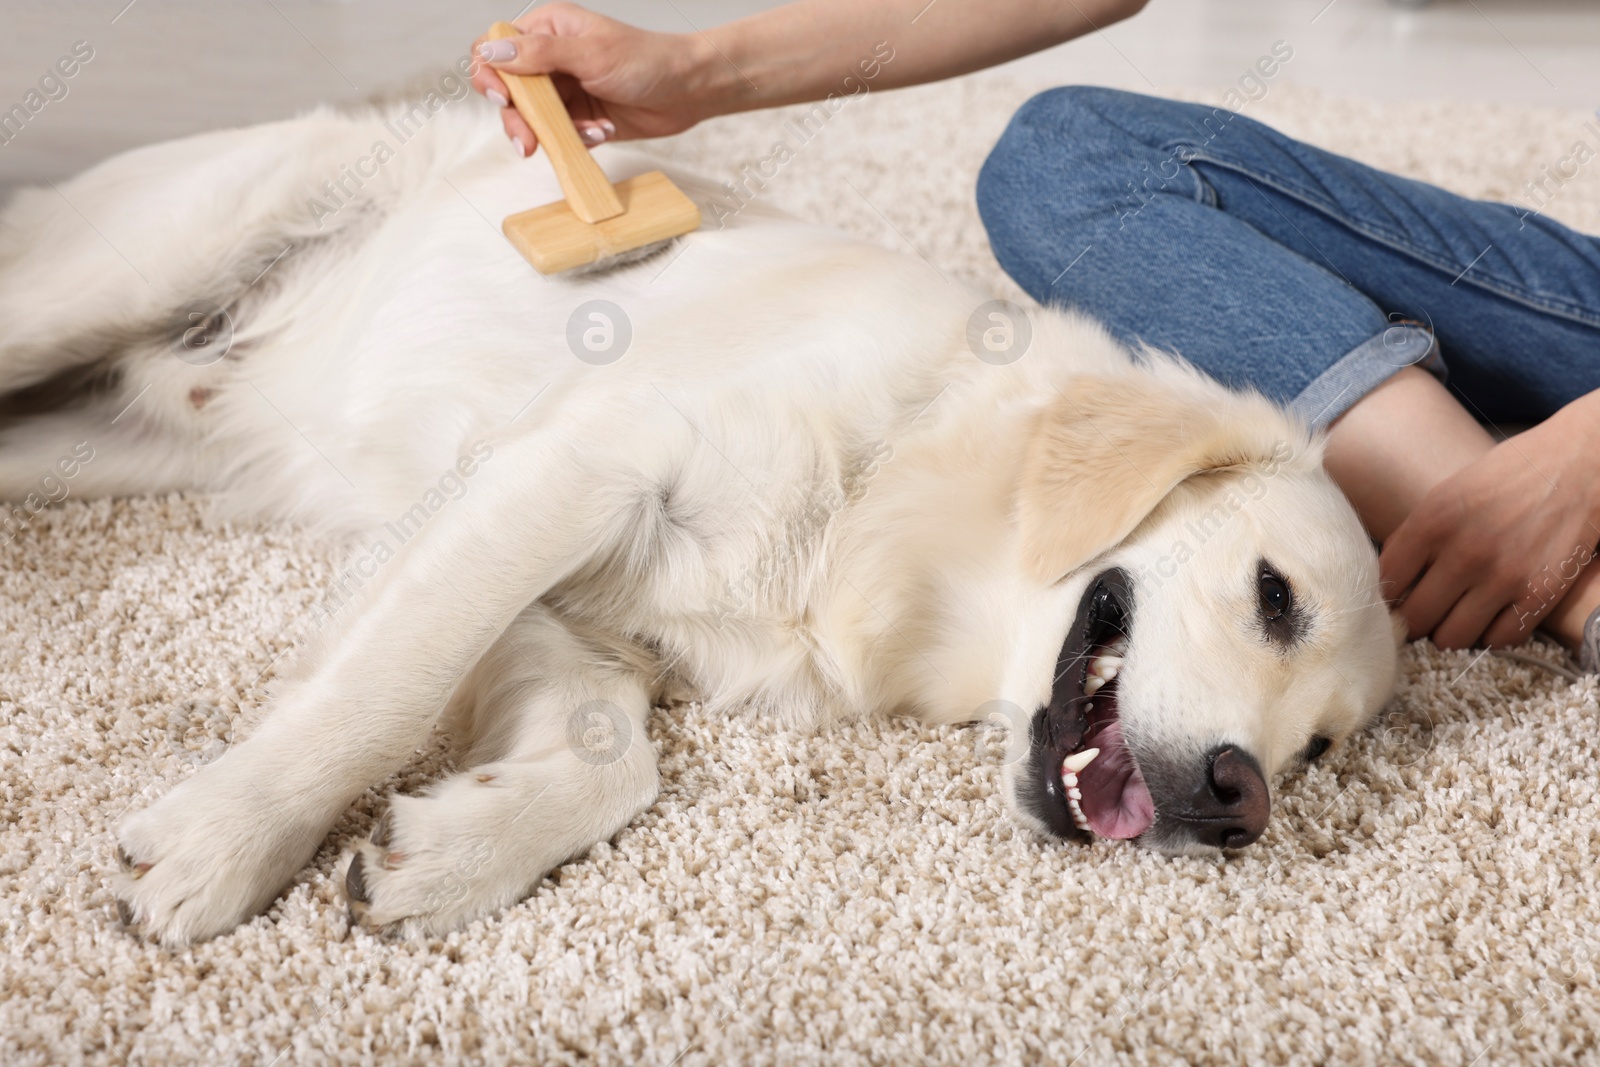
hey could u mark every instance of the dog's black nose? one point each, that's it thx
(1229, 809)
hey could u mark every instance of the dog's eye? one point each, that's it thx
(1274, 596)
(1314, 751)
(1281, 620)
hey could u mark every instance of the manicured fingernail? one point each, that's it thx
(523, 149)
(497, 51)
(608, 126)
(592, 135)
(498, 97)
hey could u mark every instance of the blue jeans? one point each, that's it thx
(1275, 265)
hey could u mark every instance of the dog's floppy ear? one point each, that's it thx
(1110, 449)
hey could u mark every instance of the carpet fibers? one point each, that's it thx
(857, 896)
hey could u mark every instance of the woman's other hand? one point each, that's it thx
(1492, 549)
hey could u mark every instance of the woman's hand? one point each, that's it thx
(1489, 551)
(617, 81)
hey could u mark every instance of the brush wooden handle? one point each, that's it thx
(588, 190)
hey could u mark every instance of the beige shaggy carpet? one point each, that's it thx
(1425, 896)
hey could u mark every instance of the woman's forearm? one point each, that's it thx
(806, 50)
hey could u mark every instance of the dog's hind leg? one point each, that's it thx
(134, 251)
(566, 763)
(82, 454)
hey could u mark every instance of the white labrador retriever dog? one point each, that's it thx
(774, 467)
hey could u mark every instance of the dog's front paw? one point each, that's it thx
(206, 857)
(426, 887)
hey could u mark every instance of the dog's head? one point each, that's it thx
(1222, 607)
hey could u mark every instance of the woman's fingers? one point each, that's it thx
(616, 80)
(1438, 591)
(531, 53)
(489, 83)
(1516, 622)
(537, 53)
(1404, 555)
(1468, 621)
(485, 78)
(591, 132)
(519, 131)
(596, 131)
(1536, 599)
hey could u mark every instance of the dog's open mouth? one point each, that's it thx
(1090, 780)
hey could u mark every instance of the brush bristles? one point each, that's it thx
(620, 260)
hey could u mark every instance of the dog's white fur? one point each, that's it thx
(799, 489)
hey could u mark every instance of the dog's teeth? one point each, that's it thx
(1077, 813)
(1075, 794)
(1092, 685)
(1078, 761)
(1106, 667)
(1068, 779)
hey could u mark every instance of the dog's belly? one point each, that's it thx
(435, 335)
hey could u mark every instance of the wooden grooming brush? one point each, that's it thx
(598, 225)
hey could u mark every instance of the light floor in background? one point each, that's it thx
(163, 69)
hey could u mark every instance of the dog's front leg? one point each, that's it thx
(217, 849)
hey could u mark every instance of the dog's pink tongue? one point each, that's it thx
(1115, 799)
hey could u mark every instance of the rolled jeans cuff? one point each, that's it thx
(1364, 368)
